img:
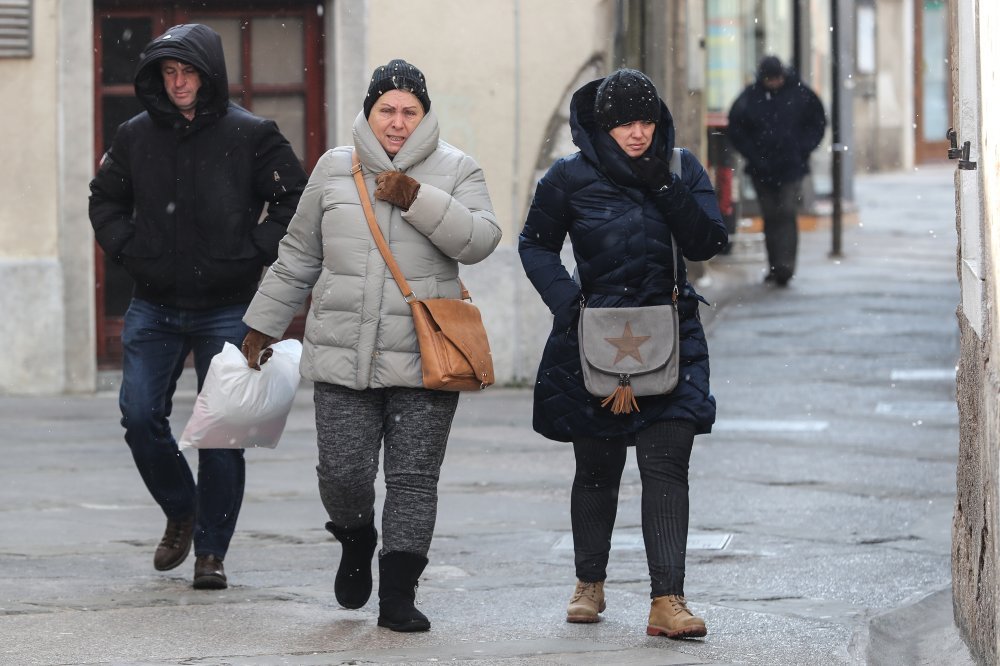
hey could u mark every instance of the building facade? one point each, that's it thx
(500, 75)
(975, 556)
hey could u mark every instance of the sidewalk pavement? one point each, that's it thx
(820, 505)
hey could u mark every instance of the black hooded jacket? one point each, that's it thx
(776, 131)
(178, 202)
(621, 236)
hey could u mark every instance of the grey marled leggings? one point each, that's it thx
(350, 427)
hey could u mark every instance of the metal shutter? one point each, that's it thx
(15, 28)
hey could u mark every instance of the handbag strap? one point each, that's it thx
(673, 250)
(675, 167)
(383, 247)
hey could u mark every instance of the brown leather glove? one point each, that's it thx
(253, 344)
(397, 188)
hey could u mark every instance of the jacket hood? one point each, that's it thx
(588, 136)
(791, 78)
(194, 44)
(422, 142)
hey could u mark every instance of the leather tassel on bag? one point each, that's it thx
(622, 399)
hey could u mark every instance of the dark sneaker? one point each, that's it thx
(175, 544)
(776, 280)
(209, 574)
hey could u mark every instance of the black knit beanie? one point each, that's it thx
(397, 75)
(770, 67)
(625, 96)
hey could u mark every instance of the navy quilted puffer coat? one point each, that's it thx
(620, 233)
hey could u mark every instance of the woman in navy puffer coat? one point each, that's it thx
(619, 203)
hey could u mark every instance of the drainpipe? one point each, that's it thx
(519, 371)
(836, 164)
(619, 46)
(797, 35)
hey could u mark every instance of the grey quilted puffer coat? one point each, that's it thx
(359, 331)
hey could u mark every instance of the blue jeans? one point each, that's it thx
(155, 341)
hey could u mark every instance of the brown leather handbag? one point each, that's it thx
(454, 349)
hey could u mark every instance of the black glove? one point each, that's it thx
(652, 172)
(567, 317)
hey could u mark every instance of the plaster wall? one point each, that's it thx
(28, 106)
(32, 325)
(974, 533)
(497, 73)
(493, 77)
(47, 255)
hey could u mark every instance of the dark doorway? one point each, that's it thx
(287, 89)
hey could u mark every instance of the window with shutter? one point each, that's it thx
(15, 28)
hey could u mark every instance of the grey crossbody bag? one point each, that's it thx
(629, 352)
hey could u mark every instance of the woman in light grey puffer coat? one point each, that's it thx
(360, 348)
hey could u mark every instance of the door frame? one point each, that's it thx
(928, 150)
(165, 15)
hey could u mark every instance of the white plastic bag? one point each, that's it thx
(239, 407)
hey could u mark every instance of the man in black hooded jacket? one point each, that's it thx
(177, 200)
(775, 124)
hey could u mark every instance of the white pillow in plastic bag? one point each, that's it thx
(239, 407)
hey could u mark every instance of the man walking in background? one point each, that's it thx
(177, 200)
(775, 124)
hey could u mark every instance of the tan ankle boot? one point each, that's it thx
(669, 616)
(586, 603)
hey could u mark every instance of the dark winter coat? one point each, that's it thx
(620, 233)
(177, 201)
(775, 131)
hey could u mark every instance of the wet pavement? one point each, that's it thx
(820, 506)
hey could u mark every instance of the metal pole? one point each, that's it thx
(836, 163)
(619, 56)
(797, 36)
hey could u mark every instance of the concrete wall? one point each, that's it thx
(975, 72)
(46, 259)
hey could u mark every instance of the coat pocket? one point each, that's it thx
(142, 246)
(232, 239)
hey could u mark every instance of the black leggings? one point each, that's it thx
(662, 452)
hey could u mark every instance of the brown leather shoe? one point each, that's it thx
(209, 574)
(669, 616)
(586, 603)
(175, 544)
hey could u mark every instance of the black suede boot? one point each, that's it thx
(398, 574)
(353, 584)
